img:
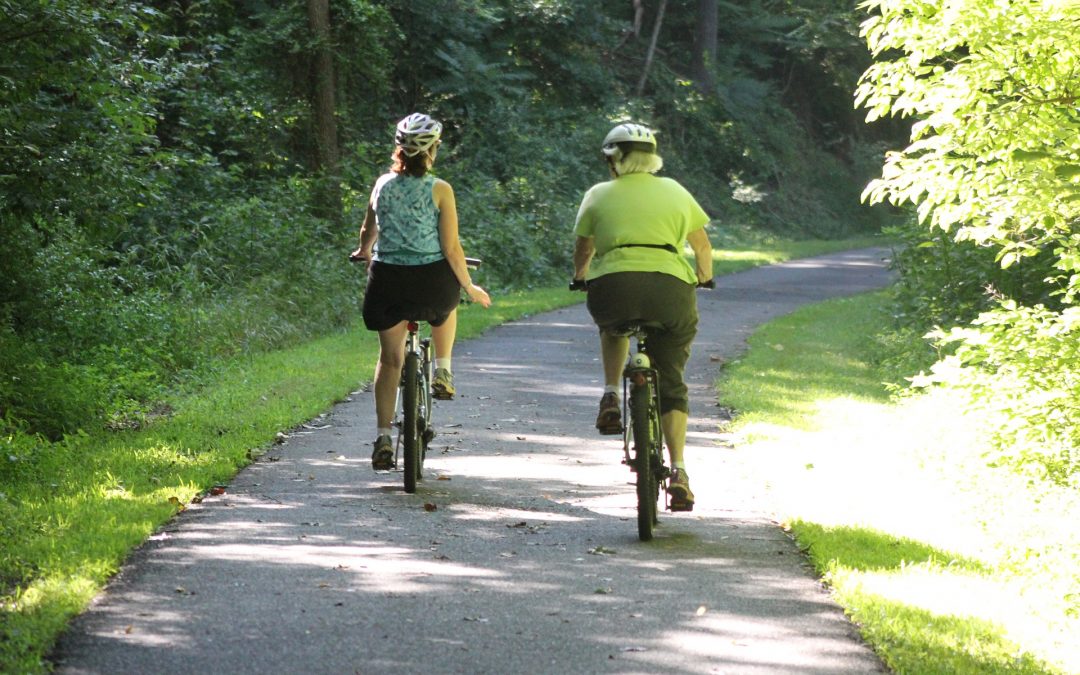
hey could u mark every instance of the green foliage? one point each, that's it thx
(991, 170)
(1019, 365)
(157, 186)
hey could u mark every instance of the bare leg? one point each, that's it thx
(388, 372)
(443, 337)
(613, 353)
(674, 423)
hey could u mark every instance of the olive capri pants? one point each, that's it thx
(669, 305)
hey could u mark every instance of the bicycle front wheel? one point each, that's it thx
(411, 420)
(641, 423)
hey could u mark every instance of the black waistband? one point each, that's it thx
(666, 247)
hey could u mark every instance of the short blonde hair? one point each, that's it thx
(637, 162)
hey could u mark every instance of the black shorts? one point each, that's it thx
(397, 293)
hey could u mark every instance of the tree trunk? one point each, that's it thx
(327, 156)
(704, 56)
(652, 47)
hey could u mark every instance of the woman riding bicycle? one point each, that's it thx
(416, 271)
(630, 236)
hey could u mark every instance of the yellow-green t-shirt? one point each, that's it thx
(639, 208)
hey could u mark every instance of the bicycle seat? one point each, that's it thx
(631, 328)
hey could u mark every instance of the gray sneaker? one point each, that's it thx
(682, 499)
(382, 457)
(609, 419)
(442, 387)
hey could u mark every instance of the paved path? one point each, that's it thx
(529, 561)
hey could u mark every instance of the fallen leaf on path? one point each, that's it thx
(602, 591)
(600, 550)
(428, 506)
(701, 611)
(635, 649)
(442, 477)
(175, 501)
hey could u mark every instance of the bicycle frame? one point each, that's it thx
(413, 406)
(644, 432)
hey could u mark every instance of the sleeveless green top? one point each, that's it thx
(408, 220)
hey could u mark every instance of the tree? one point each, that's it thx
(652, 46)
(704, 55)
(327, 155)
(994, 159)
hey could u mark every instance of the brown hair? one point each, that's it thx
(416, 165)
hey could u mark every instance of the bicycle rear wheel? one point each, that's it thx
(411, 420)
(647, 493)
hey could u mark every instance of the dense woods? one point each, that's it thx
(181, 179)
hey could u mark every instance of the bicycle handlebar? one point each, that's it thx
(471, 263)
(581, 284)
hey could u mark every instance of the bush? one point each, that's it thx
(1018, 365)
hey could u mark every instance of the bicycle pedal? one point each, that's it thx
(677, 505)
(610, 431)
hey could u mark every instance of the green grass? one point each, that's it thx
(71, 512)
(946, 565)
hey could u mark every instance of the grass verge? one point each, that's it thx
(70, 512)
(946, 565)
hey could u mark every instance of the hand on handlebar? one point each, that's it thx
(708, 283)
(360, 255)
(578, 285)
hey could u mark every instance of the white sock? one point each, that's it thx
(383, 431)
(681, 466)
(443, 363)
(611, 389)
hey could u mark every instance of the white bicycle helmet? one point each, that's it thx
(417, 133)
(643, 138)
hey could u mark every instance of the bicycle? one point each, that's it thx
(413, 406)
(644, 432)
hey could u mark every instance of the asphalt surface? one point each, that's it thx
(518, 553)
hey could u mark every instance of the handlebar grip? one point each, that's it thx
(710, 284)
(472, 263)
(578, 285)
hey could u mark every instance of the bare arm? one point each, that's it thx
(699, 242)
(583, 253)
(369, 233)
(450, 243)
